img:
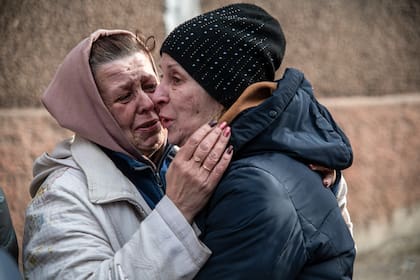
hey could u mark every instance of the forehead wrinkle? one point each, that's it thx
(127, 63)
(124, 72)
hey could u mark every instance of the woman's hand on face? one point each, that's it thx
(328, 175)
(198, 168)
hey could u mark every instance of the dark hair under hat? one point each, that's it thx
(228, 49)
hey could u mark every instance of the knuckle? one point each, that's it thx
(205, 146)
(213, 156)
(210, 163)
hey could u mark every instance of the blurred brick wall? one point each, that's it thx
(384, 180)
(37, 34)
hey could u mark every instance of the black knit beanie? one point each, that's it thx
(228, 49)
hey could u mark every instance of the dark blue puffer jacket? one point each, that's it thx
(270, 217)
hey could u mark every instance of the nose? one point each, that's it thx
(160, 97)
(144, 102)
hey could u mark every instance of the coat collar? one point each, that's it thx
(289, 120)
(256, 108)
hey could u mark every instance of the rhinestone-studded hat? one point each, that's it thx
(228, 49)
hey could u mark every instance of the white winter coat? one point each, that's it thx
(88, 221)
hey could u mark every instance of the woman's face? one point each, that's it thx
(182, 103)
(125, 86)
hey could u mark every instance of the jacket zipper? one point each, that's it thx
(156, 173)
(159, 166)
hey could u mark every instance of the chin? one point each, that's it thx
(150, 143)
(160, 140)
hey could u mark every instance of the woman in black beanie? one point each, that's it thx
(270, 217)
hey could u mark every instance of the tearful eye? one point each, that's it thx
(125, 98)
(149, 88)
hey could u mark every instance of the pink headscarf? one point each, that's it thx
(73, 99)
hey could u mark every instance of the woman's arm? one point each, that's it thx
(342, 202)
(68, 237)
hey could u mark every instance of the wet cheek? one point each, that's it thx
(124, 118)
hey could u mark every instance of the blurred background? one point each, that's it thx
(362, 57)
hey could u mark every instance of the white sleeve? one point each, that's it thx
(67, 237)
(169, 244)
(342, 202)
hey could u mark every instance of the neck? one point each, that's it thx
(253, 96)
(156, 155)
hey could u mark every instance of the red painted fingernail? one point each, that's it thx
(229, 150)
(212, 123)
(226, 131)
(223, 125)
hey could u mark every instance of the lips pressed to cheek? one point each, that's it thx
(166, 123)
